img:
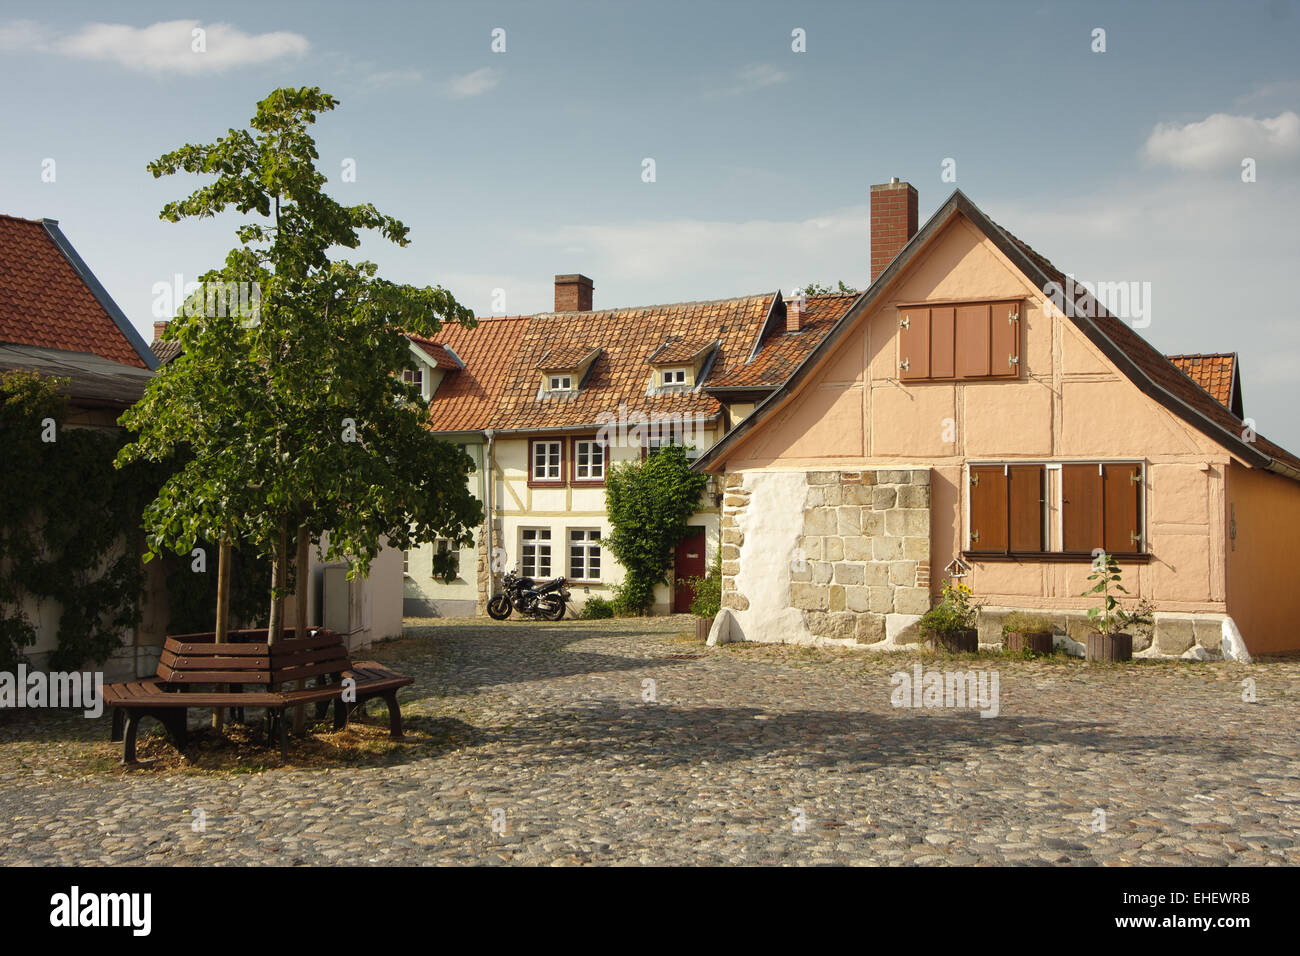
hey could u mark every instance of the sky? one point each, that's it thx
(1117, 154)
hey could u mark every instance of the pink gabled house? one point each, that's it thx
(976, 412)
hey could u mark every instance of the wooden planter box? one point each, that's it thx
(1017, 642)
(958, 642)
(702, 627)
(1109, 647)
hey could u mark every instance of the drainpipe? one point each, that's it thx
(490, 435)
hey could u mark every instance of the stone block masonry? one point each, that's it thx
(847, 559)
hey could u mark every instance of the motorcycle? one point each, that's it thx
(547, 601)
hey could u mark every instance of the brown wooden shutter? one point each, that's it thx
(972, 341)
(988, 508)
(1025, 507)
(914, 343)
(942, 343)
(1081, 514)
(1004, 334)
(1122, 494)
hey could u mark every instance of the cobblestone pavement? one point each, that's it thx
(748, 755)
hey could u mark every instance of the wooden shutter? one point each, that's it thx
(988, 508)
(914, 343)
(1004, 334)
(942, 343)
(1025, 507)
(1122, 530)
(1081, 507)
(972, 341)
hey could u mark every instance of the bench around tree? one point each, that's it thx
(247, 673)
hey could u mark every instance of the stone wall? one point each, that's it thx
(863, 571)
(858, 562)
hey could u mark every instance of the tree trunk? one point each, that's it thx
(275, 626)
(301, 577)
(223, 613)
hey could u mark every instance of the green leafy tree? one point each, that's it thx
(816, 288)
(649, 503)
(292, 418)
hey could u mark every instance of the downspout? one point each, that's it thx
(490, 435)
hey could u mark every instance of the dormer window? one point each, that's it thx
(560, 383)
(673, 376)
(414, 377)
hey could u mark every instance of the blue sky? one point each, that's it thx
(511, 167)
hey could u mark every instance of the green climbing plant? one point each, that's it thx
(649, 503)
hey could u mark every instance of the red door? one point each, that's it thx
(688, 562)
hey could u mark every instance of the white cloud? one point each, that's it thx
(753, 77)
(389, 78)
(473, 84)
(1222, 141)
(172, 46)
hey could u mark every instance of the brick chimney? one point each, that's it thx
(893, 222)
(573, 293)
(158, 327)
(794, 312)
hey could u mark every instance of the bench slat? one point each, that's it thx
(177, 676)
(183, 648)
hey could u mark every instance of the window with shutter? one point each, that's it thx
(1025, 507)
(959, 342)
(1121, 495)
(988, 508)
(972, 341)
(1101, 505)
(942, 342)
(914, 344)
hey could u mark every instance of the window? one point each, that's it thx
(561, 383)
(414, 377)
(584, 554)
(959, 342)
(406, 562)
(535, 551)
(589, 458)
(448, 560)
(547, 459)
(1099, 506)
(656, 441)
(673, 376)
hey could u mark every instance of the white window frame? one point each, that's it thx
(595, 470)
(559, 383)
(536, 539)
(589, 541)
(678, 377)
(414, 377)
(441, 545)
(548, 445)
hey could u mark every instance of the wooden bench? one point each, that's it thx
(246, 672)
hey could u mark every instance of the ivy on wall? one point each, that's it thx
(649, 503)
(70, 532)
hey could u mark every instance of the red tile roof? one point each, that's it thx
(783, 351)
(498, 388)
(441, 357)
(1215, 372)
(46, 302)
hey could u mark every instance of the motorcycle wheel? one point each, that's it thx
(556, 613)
(499, 607)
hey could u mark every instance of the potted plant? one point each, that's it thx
(1027, 633)
(708, 598)
(1110, 640)
(951, 624)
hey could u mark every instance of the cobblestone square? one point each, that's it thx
(628, 742)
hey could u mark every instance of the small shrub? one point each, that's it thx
(1021, 622)
(595, 608)
(954, 612)
(708, 591)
